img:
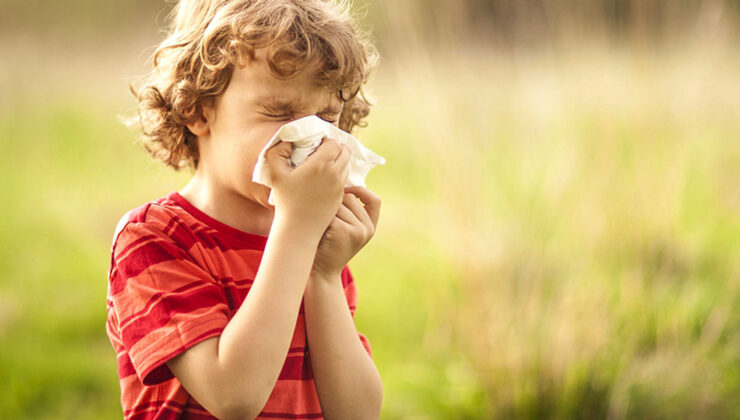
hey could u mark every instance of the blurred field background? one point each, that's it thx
(560, 228)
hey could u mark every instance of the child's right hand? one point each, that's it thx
(311, 193)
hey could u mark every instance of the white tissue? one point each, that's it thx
(306, 134)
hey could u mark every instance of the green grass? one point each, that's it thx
(558, 238)
(588, 205)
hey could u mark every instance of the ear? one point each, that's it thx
(201, 125)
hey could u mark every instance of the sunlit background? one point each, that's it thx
(560, 231)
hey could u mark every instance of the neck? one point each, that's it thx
(227, 205)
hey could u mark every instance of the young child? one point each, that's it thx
(221, 305)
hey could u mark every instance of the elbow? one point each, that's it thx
(236, 406)
(236, 412)
(368, 407)
(242, 405)
(377, 406)
(375, 400)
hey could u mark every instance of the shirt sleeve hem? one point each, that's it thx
(153, 366)
(366, 344)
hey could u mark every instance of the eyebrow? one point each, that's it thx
(277, 105)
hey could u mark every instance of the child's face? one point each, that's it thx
(248, 113)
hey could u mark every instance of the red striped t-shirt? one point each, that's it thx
(177, 277)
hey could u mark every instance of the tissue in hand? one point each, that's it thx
(306, 134)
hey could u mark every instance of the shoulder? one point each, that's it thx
(156, 218)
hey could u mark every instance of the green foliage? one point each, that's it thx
(585, 206)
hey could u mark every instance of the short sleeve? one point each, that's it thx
(350, 291)
(163, 300)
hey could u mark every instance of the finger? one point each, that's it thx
(354, 205)
(344, 155)
(280, 149)
(342, 161)
(369, 199)
(278, 156)
(328, 150)
(347, 215)
(337, 223)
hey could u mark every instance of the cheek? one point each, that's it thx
(260, 136)
(250, 145)
(238, 152)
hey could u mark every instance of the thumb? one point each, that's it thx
(278, 158)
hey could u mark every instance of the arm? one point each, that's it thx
(346, 378)
(347, 381)
(233, 375)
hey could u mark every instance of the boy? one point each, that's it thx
(221, 305)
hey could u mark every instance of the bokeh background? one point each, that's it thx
(560, 228)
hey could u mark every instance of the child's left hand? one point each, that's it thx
(351, 228)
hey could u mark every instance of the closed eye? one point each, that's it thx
(277, 116)
(328, 119)
(289, 116)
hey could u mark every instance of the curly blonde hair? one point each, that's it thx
(207, 38)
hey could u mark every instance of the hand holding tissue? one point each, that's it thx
(306, 135)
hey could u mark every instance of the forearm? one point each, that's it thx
(253, 346)
(347, 380)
